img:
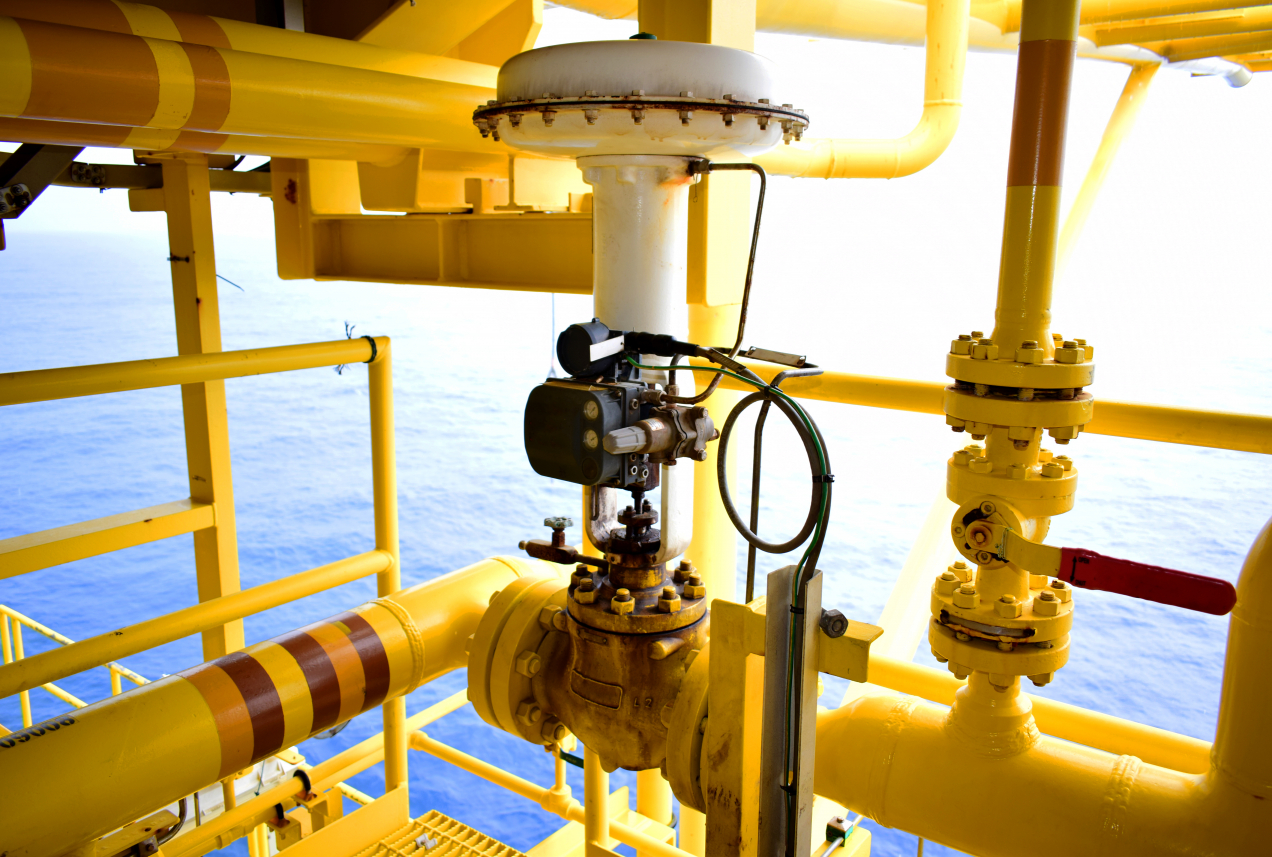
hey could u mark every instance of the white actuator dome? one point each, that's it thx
(639, 97)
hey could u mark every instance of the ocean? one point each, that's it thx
(1169, 282)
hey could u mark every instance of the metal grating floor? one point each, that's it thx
(451, 838)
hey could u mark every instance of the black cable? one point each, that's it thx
(755, 473)
(708, 167)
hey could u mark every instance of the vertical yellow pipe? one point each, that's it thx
(384, 489)
(693, 831)
(194, 296)
(653, 798)
(18, 654)
(116, 684)
(1120, 124)
(595, 800)
(1048, 34)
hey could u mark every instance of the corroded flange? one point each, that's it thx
(1038, 661)
(685, 731)
(646, 616)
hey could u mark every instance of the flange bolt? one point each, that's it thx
(694, 588)
(622, 602)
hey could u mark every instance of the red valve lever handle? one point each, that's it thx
(1090, 570)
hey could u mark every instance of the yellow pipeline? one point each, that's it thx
(947, 22)
(79, 75)
(1217, 429)
(1097, 803)
(222, 716)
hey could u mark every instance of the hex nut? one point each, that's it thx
(988, 508)
(985, 557)
(947, 583)
(694, 588)
(960, 671)
(529, 713)
(1063, 434)
(1041, 679)
(1001, 682)
(547, 616)
(554, 731)
(977, 334)
(682, 572)
(622, 603)
(985, 349)
(964, 457)
(1021, 432)
(670, 601)
(965, 597)
(1062, 590)
(1051, 470)
(1070, 352)
(962, 345)
(980, 465)
(1029, 352)
(1018, 471)
(529, 664)
(1007, 607)
(1046, 604)
(586, 593)
(833, 623)
(961, 570)
(1064, 461)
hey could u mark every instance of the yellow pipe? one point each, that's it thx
(947, 22)
(1080, 725)
(571, 811)
(113, 645)
(653, 798)
(1108, 804)
(44, 385)
(223, 716)
(596, 820)
(1120, 124)
(1222, 23)
(1180, 50)
(1216, 429)
(122, 79)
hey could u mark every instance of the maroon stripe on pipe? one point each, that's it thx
(1043, 70)
(324, 685)
(263, 704)
(375, 661)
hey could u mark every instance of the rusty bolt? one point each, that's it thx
(694, 588)
(988, 508)
(670, 601)
(586, 592)
(581, 573)
(965, 596)
(529, 664)
(977, 334)
(834, 623)
(622, 602)
(529, 713)
(985, 557)
(1029, 343)
(1007, 607)
(1062, 590)
(682, 572)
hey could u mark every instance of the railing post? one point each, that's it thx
(384, 488)
(194, 295)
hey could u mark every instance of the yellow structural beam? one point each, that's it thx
(1120, 123)
(1221, 23)
(1180, 50)
(47, 548)
(946, 29)
(187, 201)
(111, 646)
(1217, 429)
(320, 235)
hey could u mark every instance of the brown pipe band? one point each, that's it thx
(1043, 72)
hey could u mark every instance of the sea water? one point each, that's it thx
(1170, 283)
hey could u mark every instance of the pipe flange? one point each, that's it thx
(646, 616)
(505, 657)
(685, 733)
(1008, 409)
(1043, 490)
(1039, 661)
(1011, 373)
